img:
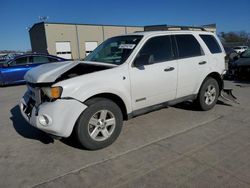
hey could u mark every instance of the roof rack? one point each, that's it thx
(172, 28)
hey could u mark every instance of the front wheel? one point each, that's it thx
(99, 125)
(208, 94)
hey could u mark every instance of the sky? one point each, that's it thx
(17, 15)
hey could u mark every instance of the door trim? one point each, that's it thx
(160, 106)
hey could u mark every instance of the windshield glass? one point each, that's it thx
(246, 54)
(115, 50)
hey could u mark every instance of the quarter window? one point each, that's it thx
(188, 46)
(159, 49)
(211, 43)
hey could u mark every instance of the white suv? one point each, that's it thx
(124, 77)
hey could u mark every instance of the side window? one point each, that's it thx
(188, 46)
(211, 43)
(158, 49)
(20, 61)
(40, 59)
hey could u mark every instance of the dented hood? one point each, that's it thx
(48, 73)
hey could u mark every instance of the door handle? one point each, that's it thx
(169, 69)
(202, 62)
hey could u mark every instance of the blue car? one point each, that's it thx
(13, 71)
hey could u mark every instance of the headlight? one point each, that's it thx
(53, 92)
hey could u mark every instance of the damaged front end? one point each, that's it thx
(227, 95)
(42, 105)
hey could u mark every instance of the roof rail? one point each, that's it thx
(172, 28)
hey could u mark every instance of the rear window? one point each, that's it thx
(188, 46)
(211, 43)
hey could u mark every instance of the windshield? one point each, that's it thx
(115, 50)
(246, 54)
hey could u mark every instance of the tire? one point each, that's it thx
(99, 125)
(208, 94)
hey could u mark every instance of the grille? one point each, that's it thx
(35, 94)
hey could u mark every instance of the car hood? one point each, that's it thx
(243, 62)
(48, 73)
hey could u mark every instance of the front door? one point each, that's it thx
(154, 81)
(16, 70)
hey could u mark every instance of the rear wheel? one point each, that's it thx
(208, 94)
(99, 125)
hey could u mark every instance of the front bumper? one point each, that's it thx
(61, 115)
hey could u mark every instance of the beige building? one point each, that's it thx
(73, 41)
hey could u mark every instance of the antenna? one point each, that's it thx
(43, 18)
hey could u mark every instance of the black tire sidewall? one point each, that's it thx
(201, 99)
(81, 128)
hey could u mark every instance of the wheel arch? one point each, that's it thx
(217, 77)
(116, 99)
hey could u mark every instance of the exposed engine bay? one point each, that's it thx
(81, 69)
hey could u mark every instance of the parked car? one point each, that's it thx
(12, 71)
(124, 77)
(240, 69)
(240, 49)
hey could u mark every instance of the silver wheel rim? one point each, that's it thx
(101, 125)
(210, 94)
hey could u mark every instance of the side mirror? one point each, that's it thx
(143, 59)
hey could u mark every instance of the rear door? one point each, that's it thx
(217, 55)
(154, 82)
(192, 64)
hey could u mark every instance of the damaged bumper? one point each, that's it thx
(226, 93)
(57, 118)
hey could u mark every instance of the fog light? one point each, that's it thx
(44, 120)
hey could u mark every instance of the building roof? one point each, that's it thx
(61, 23)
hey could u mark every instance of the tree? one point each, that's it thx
(235, 37)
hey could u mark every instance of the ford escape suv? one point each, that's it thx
(122, 78)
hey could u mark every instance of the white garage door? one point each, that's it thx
(63, 50)
(89, 47)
